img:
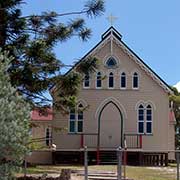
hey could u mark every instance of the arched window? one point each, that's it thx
(72, 119)
(98, 80)
(80, 118)
(149, 119)
(145, 119)
(141, 119)
(111, 62)
(135, 80)
(111, 80)
(87, 81)
(48, 137)
(76, 120)
(123, 80)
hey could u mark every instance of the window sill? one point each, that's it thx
(75, 133)
(136, 89)
(145, 134)
(121, 88)
(98, 87)
(149, 134)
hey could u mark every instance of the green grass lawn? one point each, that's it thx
(136, 173)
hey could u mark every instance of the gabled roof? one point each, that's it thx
(112, 32)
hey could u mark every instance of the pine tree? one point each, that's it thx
(31, 40)
(14, 124)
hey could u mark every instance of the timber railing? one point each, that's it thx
(133, 141)
(89, 140)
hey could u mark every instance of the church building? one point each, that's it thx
(127, 106)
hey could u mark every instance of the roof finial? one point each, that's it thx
(111, 19)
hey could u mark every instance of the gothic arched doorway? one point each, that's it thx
(110, 126)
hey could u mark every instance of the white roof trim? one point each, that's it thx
(143, 67)
(131, 55)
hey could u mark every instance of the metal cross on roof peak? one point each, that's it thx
(111, 19)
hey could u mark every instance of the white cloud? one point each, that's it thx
(177, 86)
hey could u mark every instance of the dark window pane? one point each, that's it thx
(47, 133)
(80, 126)
(80, 106)
(141, 106)
(135, 80)
(149, 106)
(72, 116)
(47, 141)
(149, 127)
(80, 115)
(72, 126)
(141, 127)
(86, 81)
(149, 112)
(111, 80)
(47, 137)
(111, 62)
(141, 112)
(123, 81)
(98, 83)
(149, 118)
(141, 118)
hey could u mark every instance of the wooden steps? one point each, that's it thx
(108, 157)
(100, 175)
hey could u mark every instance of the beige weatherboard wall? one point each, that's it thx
(119, 107)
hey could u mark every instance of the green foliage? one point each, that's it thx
(176, 108)
(14, 124)
(31, 40)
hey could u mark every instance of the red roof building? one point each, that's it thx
(42, 115)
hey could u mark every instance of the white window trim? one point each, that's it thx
(152, 117)
(140, 121)
(76, 123)
(87, 87)
(132, 79)
(145, 119)
(69, 120)
(101, 81)
(105, 59)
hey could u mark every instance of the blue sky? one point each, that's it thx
(150, 28)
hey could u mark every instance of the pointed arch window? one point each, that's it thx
(145, 119)
(111, 80)
(80, 118)
(76, 120)
(87, 81)
(123, 80)
(135, 80)
(141, 119)
(149, 119)
(98, 80)
(72, 119)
